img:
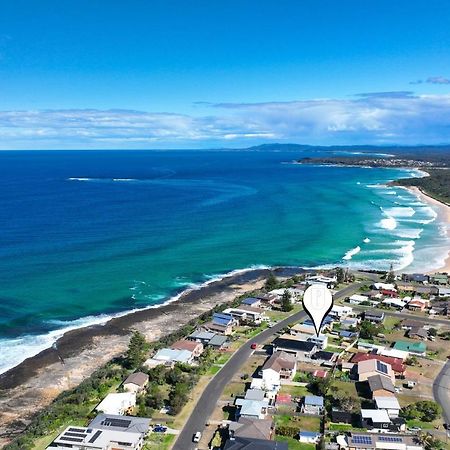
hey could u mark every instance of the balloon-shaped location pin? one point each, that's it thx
(317, 302)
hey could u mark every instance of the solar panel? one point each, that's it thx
(362, 439)
(390, 439)
(382, 367)
(77, 430)
(121, 423)
(96, 435)
(80, 435)
(70, 439)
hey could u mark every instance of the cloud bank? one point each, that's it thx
(370, 118)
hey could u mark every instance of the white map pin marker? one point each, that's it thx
(317, 302)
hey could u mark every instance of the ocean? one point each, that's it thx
(86, 235)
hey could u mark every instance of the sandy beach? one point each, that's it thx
(443, 211)
(34, 383)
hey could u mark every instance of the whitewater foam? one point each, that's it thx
(349, 255)
(16, 350)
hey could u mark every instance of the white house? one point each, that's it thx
(118, 404)
(309, 437)
(389, 404)
(245, 313)
(312, 404)
(356, 299)
(341, 312)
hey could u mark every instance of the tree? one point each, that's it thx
(286, 301)
(390, 276)
(340, 275)
(347, 403)
(425, 410)
(320, 386)
(178, 398)
(368, 330)
(137, 350)
(271, 282)
(411, 361)
(430, 442)
(432, 332)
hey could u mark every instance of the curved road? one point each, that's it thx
(210, 396)
(441, 391)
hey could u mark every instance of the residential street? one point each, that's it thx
(441, 390)
(207, 402)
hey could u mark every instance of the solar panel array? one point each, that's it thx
(390, 439)
(96, 435)
(381, 367)
(359, 439)
(112, 422)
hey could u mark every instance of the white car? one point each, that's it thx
(197, 437)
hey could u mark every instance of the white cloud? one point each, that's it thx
(389, 117)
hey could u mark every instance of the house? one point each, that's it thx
(268, 300)
(114, 422)
(247, 314)
(416, 348)
(439, 278)
(83, 438)
(418, 333)
(196, 348)
(170, 356)
(340, 312)
(301, 349)
(371, 367)
(252, 409)
(347, 335)
(270, 386)
(242, 443)
(389, 404)
(285, 400)
(325, 358)
(384, 286)
(251, 428)
(208, 339)
(252, 301)
(312, 404)
(282, 363)
(119, 404)
(349, 323)
(375, 441)
(389, 293)
(444, 292)
(357, 299)
(427, 290)
(320, 373)
(339, 416)
(381, 386)
(136, 382)
(347, 367)
(415, 277)
(375, 419)
(301, 329)
(405, 286)
(396, 363)
(221, 323)
(321, 341)
(417, 304)
(254, 394)
(374, 316)
(394, 303)
(407, 324)
(309, 437)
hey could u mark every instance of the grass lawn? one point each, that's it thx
(344, 427)
(295, 391)
(390, 322)
(159, 441)
(348, 387)
(233, 389)
(293, 444)
(43, 442)
(307, 423)
(421, 424)
(223, 358)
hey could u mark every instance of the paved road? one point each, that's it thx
(441, 391)
(208, 400)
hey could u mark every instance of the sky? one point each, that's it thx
(202, 73)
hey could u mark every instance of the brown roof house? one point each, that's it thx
(381, 386)
(371, 367)
(136, 382)
(195, 347)
(284, 364)
(251, 428)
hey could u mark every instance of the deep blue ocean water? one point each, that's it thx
(88, 234)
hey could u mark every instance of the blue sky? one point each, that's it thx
(161, 74)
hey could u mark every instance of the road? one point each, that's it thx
(210, 396)
(441, 391)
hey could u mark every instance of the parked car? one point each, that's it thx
(158, 428)
(253, 346)
(197, 436)
(414, 429)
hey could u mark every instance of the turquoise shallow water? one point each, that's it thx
(89, 234)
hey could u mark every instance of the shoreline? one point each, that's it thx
(27, 388)
(443, 211)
